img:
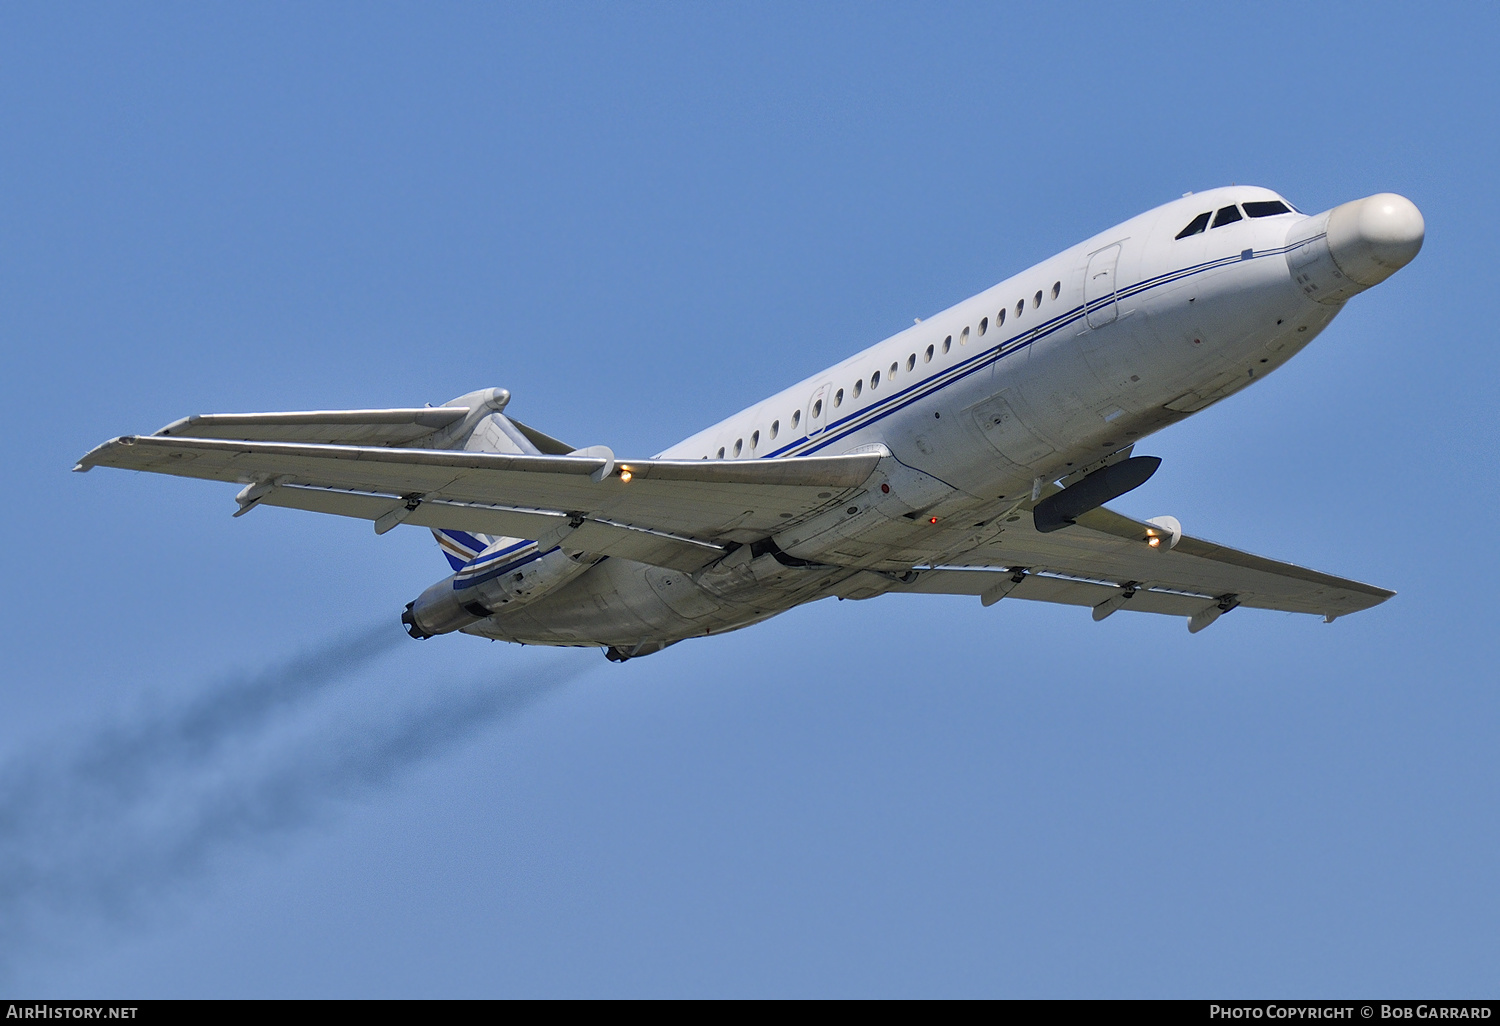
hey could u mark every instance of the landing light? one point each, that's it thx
(1153, 541)
(626, 475)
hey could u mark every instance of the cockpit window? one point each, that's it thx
(1267, 208)
(1196, 225)
(1227, 215)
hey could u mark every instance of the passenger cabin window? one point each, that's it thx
(927, 357)
(984, 325)
(739, 444)
(1056, 289)
(1036, 300)
(817, 410)
(1020, 307)
(893, 369)
(911, 361)
(1196, 225)
(775, 428)
(874, 381)
(838, 398)
(859, 386)
(796, 417)
(1000, 318)
(1227, 215)
(1266, 208)
(721, 453)
(947, 343)
(754, 439)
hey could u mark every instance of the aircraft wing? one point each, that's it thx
(684, 513)
(678, 513)
(1105, 555)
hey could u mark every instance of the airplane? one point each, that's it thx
(969, 454)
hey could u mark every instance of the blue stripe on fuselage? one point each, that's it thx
(930, 386)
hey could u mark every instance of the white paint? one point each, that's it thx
(1080, 358)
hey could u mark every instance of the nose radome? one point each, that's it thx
(1373, 238)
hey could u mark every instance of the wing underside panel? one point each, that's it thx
(1108, 551)
(674, 512)
(622, 541)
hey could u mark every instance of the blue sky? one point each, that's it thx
(218, 781)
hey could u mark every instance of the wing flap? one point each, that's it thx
(618, 540)
(1044, 588)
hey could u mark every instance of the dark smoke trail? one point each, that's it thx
(119, 756)
(117, 760)
(130, 812)
(357, 763)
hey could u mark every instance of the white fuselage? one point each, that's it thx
(1033, 379)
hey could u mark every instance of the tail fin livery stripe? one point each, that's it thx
(458, 546)
(487, 559)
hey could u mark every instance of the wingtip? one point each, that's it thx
(91, 459)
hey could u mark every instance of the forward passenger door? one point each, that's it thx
(1099, 286)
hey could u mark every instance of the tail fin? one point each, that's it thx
(494, 433)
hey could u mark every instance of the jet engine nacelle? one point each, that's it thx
(508, 573)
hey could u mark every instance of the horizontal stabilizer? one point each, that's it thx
(324, 427)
